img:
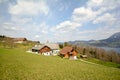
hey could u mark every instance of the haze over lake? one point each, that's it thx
(113, 49)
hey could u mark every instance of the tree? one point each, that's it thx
(61, 46)
(65, 44)
(8, 43)
(84, 51)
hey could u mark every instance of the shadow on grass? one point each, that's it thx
(118, 67)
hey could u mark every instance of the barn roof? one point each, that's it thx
(50, 45)
(38, 47)
(66, 50)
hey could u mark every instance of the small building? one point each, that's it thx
(83, 56)
(68, 52)
(46, 49)
(54, 48)
(36, 48)
(19, 40)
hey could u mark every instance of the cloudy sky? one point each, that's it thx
(59, 20)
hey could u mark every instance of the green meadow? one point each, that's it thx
(16, 64)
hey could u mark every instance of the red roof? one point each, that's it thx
(66, 50)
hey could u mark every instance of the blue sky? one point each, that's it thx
(59, 20)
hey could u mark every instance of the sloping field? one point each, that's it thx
(15, 64)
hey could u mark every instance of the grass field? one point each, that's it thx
(16, 64)
(105, 63)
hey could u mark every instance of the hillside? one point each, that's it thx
(15, 64)
(12, 42)
(114, 38)
(112, 41)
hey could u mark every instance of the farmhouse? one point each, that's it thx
(68, 52)
(36, 48)
(19, 40)
(46, 49)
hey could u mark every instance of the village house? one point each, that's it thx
(68, 52)
(36, 48)
(19, 40)
(46, 49)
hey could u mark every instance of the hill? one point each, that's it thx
(114, 38)
(16, 64)
(11, 42)
(112, 41)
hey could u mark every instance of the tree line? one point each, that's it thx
(94, 52)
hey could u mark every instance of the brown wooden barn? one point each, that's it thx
(68, 52)
(41, 49)
(44, 49)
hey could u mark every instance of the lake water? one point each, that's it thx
(109, 48)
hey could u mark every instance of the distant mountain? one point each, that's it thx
(114, 38)
(112, 41)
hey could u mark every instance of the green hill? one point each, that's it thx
(16, 64)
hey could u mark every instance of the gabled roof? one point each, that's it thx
(52, 46)
(66, 50)
(38, 47)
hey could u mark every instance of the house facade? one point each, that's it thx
(46, 49)
(68, 52)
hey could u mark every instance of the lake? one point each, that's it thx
(109, 48)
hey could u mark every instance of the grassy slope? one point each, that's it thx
(105, 63)
(15, 64)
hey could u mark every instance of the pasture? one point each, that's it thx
(16, 64)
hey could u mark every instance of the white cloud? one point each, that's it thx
(24, 7)
(106, 18)
(94, 11)
(97, 11)
(11, 27)
(83, 14)
(37, 36)
(102, 6)
(29, 15)
(87, 32)
(65, 31)
(22, 20)
(67, 26)
(94, 3)
(97, 1)
(24, 12)
(43, 28)
(103, 32)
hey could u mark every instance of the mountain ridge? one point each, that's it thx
(112, 41)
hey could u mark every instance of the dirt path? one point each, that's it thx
(88, 62)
